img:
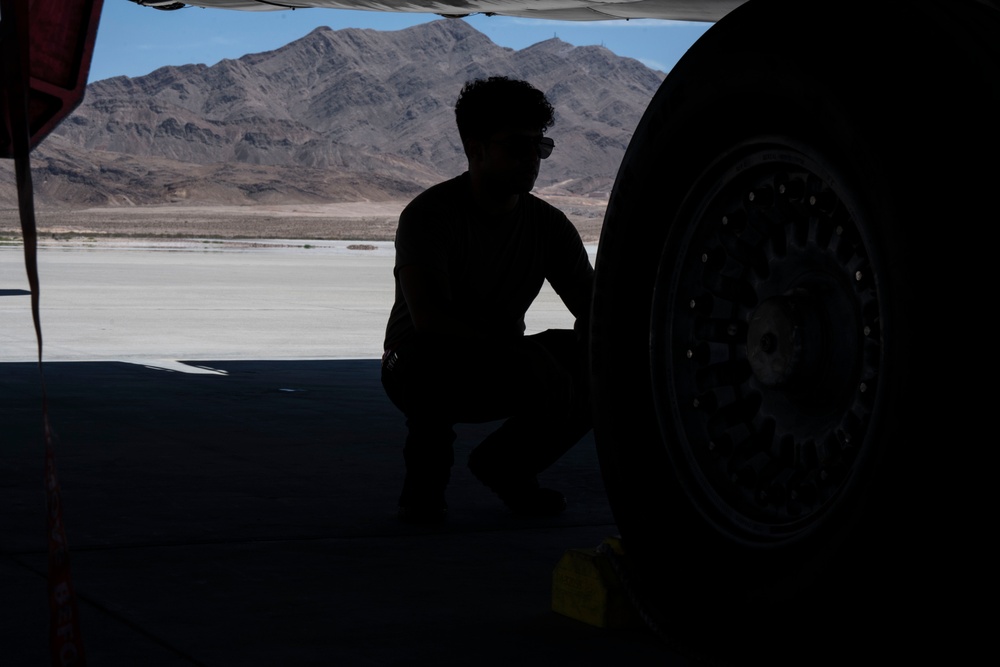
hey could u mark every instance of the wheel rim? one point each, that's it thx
(767, 342)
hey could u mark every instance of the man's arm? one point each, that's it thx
(577, 296)
(571, 275)
(577, 299)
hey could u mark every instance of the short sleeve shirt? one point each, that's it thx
(495, 267)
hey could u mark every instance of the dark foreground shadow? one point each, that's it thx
(248, 517)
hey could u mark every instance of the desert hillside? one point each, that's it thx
(338, 116)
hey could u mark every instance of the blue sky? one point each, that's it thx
(134, 40)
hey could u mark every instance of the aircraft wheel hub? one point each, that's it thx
(767, 341)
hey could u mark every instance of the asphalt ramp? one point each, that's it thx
(243, 513)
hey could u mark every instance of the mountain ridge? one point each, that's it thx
(334, 115)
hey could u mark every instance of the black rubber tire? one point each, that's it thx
(888, 119)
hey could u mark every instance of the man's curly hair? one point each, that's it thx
(489, 105)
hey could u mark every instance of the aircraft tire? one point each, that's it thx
(778, 258)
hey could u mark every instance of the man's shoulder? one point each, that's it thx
(442, 194)
(539, 204)
(539, 209)
(434, 218)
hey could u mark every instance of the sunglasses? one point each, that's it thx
(519, 144)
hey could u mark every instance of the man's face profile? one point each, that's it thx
(508, 160)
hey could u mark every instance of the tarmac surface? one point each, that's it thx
(230, 467)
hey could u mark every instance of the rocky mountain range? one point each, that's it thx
(338, 115)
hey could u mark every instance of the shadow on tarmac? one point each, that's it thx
(247, 516)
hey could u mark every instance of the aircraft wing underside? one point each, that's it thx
(566, 10)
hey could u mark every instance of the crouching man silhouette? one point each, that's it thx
(471, 256)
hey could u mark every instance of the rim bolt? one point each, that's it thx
(696, 402)
(732, 330)
(692, 304)
(840, 230)
(689, 354)
(781, 188)
(750, 196)
(725, 220)
(812, 200)
(823, 475)
(868, 331)
(711, 445)
(858, 275)
(704, 258)
(863, 388)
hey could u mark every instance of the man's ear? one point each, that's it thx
(474, 149)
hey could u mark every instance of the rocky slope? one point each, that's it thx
(345, 115)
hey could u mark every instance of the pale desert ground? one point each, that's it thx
(152, 285)
(371, 221)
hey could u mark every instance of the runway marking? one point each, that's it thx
(175, 366)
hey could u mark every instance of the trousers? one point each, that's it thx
(538, 384)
